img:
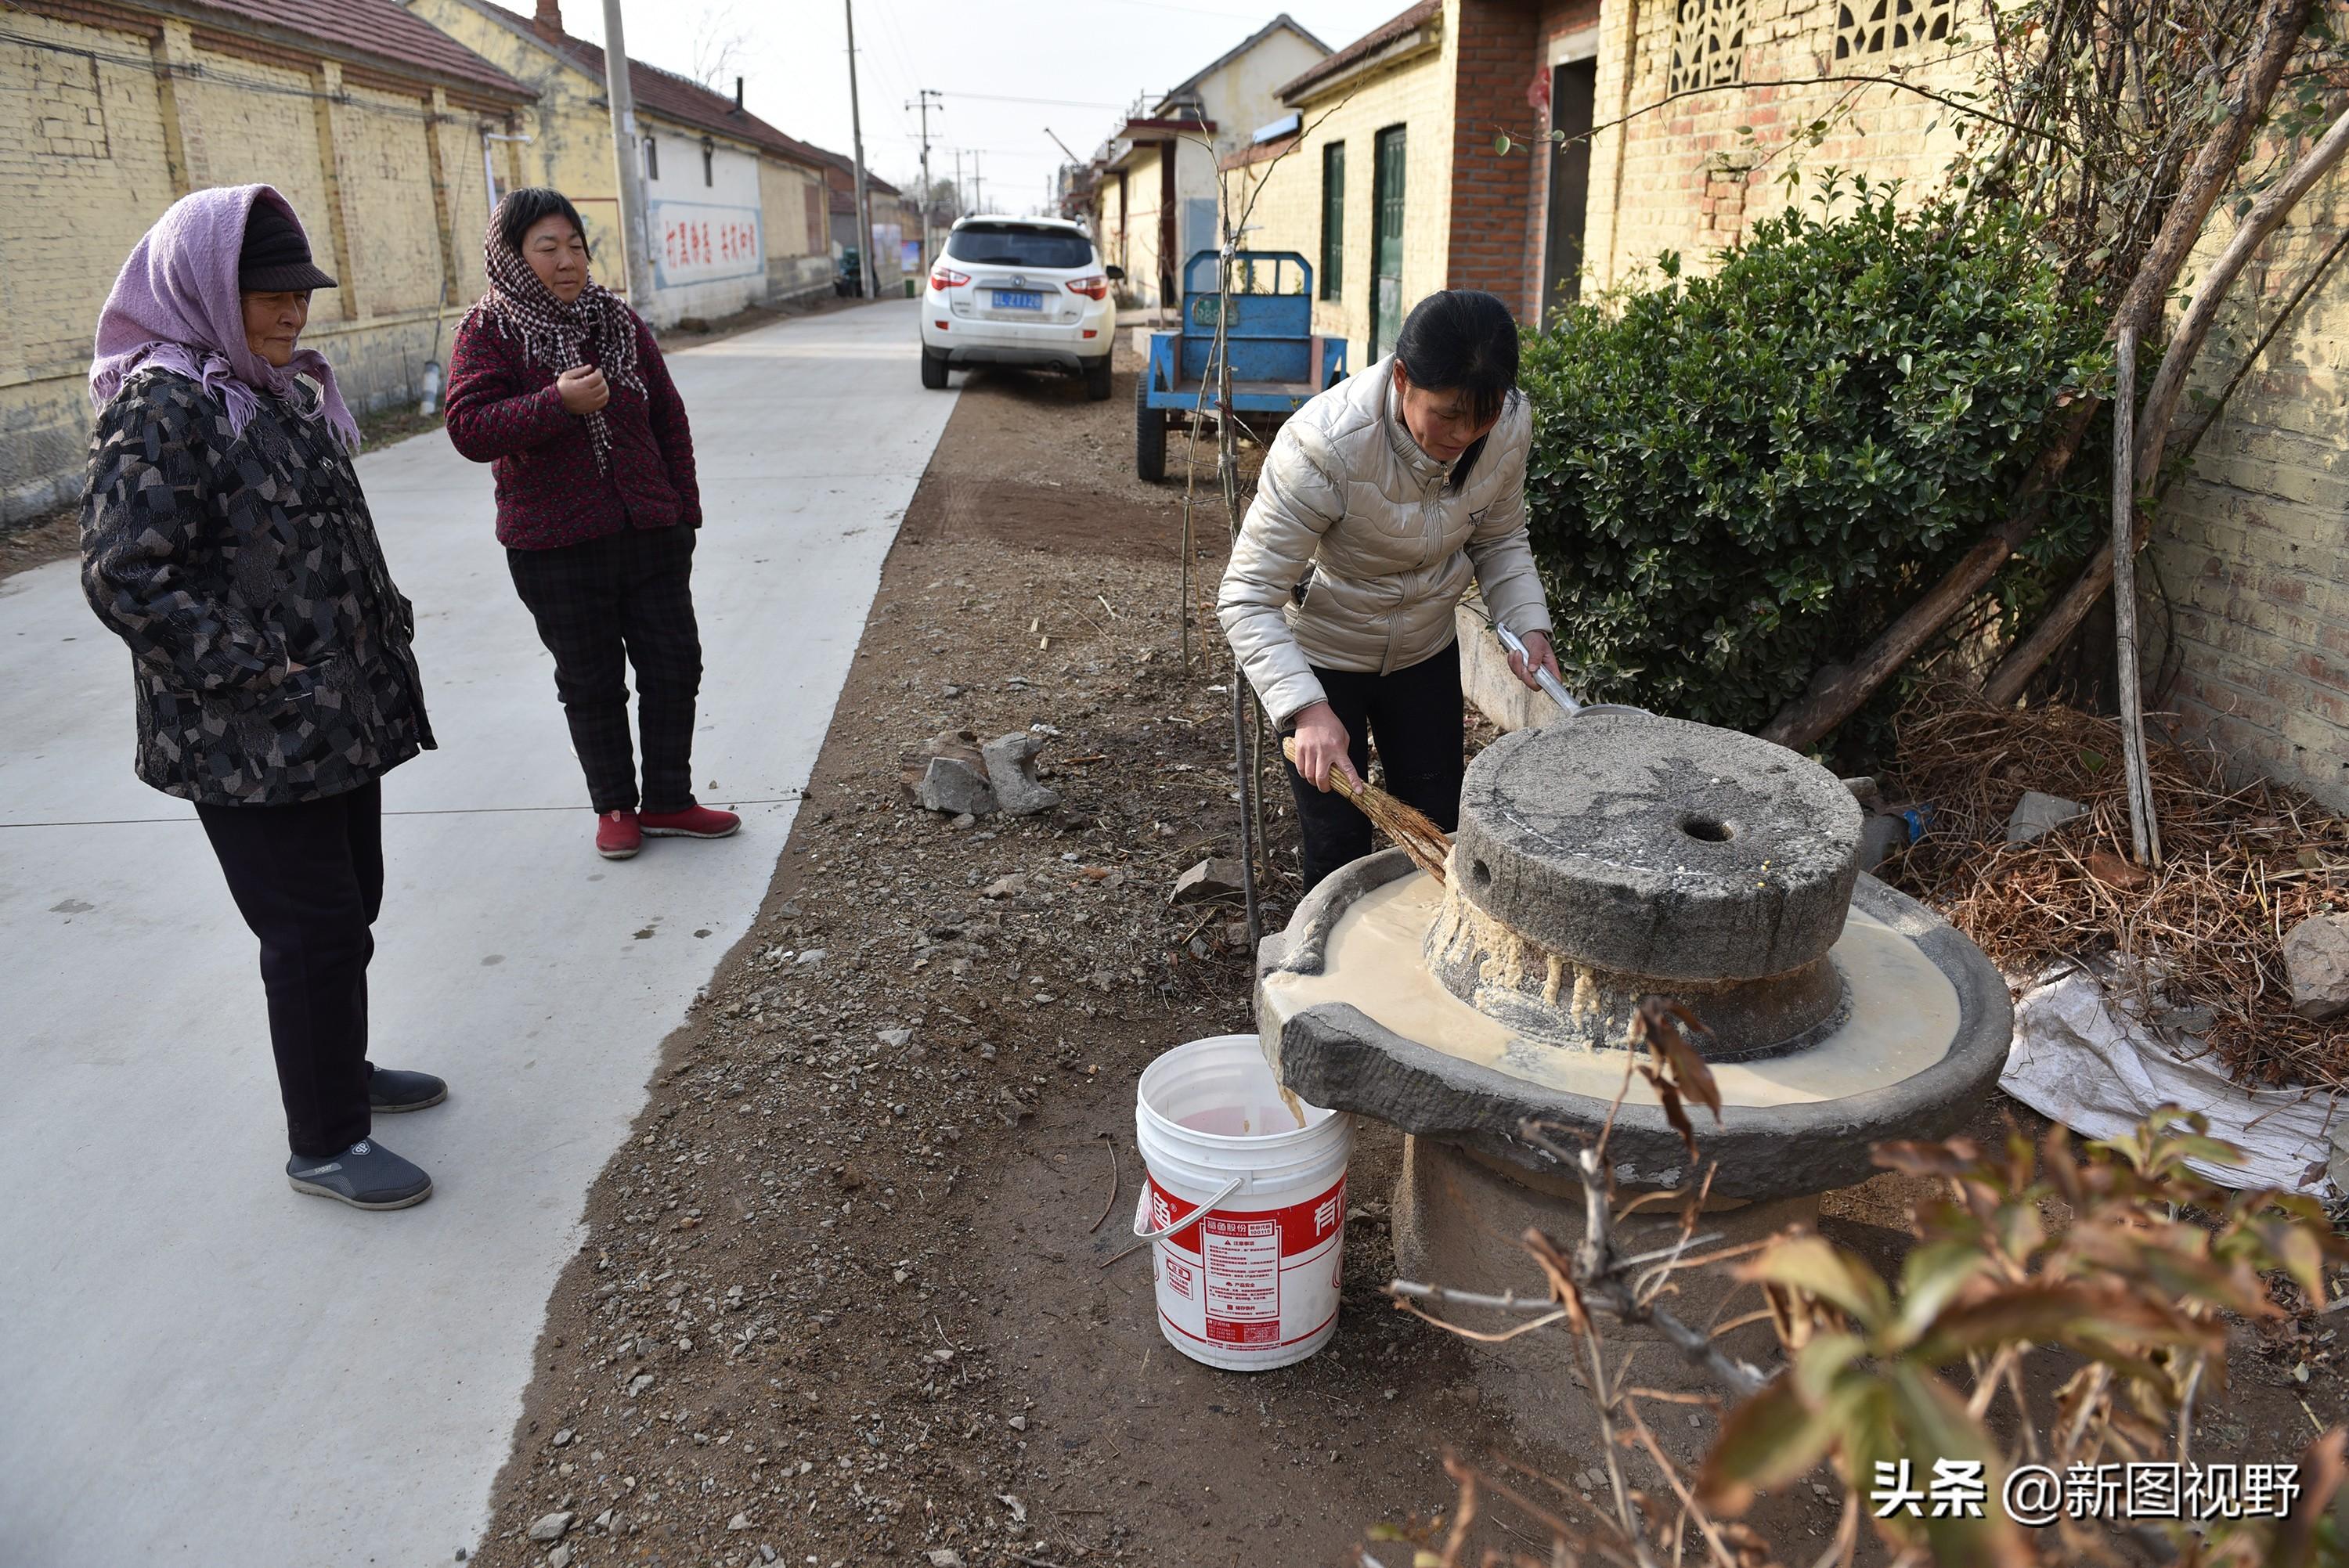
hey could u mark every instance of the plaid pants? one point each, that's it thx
(628, 594)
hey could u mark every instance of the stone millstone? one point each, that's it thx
(1655, 847)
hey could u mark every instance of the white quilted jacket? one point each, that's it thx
(1346, 491)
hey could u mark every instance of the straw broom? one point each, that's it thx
(1422, 840)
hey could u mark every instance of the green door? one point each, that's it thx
(1386, 242)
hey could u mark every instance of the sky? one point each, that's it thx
(1008, 71)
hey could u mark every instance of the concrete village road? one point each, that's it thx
(207, 1368)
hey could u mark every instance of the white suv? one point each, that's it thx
(1019, 290)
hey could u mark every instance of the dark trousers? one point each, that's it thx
(309, 879)
(1414, 714)
(628, 596)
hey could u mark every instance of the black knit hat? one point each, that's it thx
(275, 258)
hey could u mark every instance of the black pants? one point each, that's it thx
(628, 596)
(309, 879)
(1414, 715)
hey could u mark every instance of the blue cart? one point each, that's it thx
(1278, 359)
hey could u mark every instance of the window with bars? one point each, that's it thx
(1333, 220)
(1709, 43)
(652, 158)
(1887, 26)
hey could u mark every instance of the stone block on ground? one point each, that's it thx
(1210, 879)
(960, 788)
(1484, 676)
(953, 785)
(2036, 815)
(1011, 769)
(2316, 957)
(551, 1526)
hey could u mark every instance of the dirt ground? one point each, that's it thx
(852, 1292)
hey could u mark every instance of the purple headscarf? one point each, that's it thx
(176, 304)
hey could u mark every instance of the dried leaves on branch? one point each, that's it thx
(1898, 1382)
(2243, 867)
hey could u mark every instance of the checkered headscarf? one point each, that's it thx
(555, 334)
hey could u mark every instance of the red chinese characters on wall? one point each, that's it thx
(689, 245)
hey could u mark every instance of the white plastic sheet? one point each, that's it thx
(2081, 1060)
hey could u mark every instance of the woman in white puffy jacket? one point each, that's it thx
(1379, 502)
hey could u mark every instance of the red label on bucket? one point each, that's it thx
(1249, 1279)
(1301, 1227)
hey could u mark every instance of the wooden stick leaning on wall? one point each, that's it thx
(1837, 693)
(2145, 831)
(2013, 673)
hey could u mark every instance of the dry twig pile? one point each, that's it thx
(2242, 867)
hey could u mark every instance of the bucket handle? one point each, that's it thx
(1187, 1220)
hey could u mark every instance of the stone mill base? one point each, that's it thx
(1457, 1220)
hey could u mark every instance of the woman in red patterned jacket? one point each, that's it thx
(556, 383)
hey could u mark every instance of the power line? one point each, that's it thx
(1050, 103)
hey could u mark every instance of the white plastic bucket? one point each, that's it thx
(1245, 1208)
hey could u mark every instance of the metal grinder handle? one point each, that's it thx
(1549, 682)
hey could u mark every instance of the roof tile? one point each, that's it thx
(381, 29)
(1362, 49)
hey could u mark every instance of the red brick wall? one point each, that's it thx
(1494, 215)
(1556, 19)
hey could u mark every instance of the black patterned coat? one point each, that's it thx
(269, 646)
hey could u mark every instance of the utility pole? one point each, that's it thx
(1055, 188)
(977, 185)
(962, 201)
(867, 282)
(636, 239)
(922, 101)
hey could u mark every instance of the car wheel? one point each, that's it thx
(933, 371)
(1149, 432)
(1097, 379)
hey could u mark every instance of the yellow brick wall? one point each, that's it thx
(2252, 551)
(1416, 94)
(237, 135)
(466, 190)
(799, 262)
(1684, 176)
(389, 214)
(87, 154)
(71, 220)
(1142, 204)
(2248, 578)
(570, 132)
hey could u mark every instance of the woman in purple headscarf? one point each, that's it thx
(224, 539)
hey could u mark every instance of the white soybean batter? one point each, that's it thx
(1903, 1013)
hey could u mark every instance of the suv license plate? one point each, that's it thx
(1011, 299)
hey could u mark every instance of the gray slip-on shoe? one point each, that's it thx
(393, 1089)
(367, 1175)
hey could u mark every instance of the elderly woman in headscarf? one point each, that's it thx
(555, 382)
(225, 539)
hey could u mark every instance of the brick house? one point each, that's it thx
(1393, 187)
(895, 220)
(736, 207)
(1150, 191)
(370, 121)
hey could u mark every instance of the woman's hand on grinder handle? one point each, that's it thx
(1545, 657)
(1322, 744)
(583, 389)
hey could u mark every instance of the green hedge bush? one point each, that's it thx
(1736, 480)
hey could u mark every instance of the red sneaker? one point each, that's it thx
(693, 822)
(617, 837)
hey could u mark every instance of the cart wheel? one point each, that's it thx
(1149, 432)
(933, 371)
